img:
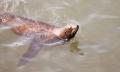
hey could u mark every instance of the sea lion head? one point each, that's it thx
(68, 32)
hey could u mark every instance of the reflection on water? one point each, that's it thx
(74, 46)
(97, 41)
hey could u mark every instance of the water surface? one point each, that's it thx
(95, 48)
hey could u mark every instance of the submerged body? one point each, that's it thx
(40, 33)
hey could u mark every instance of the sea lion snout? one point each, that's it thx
(67, 32)
(72, 28)
(71, 31)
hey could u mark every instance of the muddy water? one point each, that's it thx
(94, 49)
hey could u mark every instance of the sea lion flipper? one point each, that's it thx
(31, 52)
(39, 41)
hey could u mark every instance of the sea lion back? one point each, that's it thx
(21, 25)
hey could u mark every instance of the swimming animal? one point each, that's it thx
(40, 33)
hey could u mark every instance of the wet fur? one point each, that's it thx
(24, 25)
(40, 33)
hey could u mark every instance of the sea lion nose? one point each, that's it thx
(74, 27)
(77, 27)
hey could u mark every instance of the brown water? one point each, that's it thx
(95, 48)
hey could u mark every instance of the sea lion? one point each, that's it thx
(40, 33)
